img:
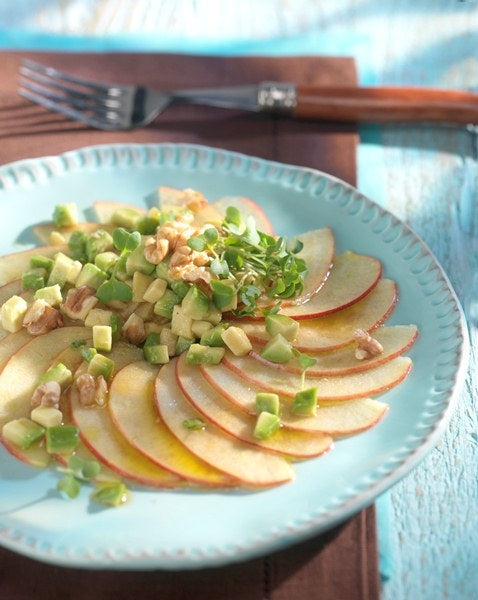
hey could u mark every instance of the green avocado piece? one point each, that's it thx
(196, 304)
(22, 432)
(204, 355)
(287, 327)
(266, 425)
(278, 350)
(305, 403)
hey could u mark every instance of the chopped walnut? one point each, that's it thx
(47, 394)
(169, 237)
(133, 329)
(156, 250)
(93, 391)
(367, 346)
(197, 275)
(79, 302)
(41, 318)
(194, 200)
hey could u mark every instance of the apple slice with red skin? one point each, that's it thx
(103, 440)
(351, 278)
(43, 231)
(216, 409)
(19, 378)
(330, 389)
(132, 410)
(250, 466)
(335, 419)
(12, 266)
(395, 340)
(336, 330)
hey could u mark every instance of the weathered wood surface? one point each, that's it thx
(428, 176)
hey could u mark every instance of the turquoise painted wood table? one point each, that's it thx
(426, 175)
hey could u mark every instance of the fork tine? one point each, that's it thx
(69, 112)
(55, 73)
(27, 74)
(69, 95)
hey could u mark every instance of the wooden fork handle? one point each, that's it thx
(386, 104)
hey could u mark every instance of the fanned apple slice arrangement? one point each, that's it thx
(208, 394)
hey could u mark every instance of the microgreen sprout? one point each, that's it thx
(77, 470)
(305, 361)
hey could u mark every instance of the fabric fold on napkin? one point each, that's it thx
(340, 564)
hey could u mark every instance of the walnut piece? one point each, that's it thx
(47, 394)
(79, 302)
(93, 391)
(133, 329)
(41, 318)
(367, 346)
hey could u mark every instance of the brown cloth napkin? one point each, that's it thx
(338, 565)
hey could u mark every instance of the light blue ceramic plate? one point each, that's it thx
(186, 529)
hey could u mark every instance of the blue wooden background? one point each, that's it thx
(427, 176)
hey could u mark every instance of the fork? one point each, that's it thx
(120, 107)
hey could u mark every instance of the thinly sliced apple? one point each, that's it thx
(337, 329)
(247, 207)
(395, 340)
(318, 253)
(19, 379)
(21, 372)
(104, 441)
(132, 410)
(104, 210)
(351, 278)
(10, 289)
(43, 231)
(12, 266)
(330, 389)
(249, 465)
(214, 407)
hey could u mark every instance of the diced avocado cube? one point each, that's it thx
(155, 290)
(110, 493)
(153, 339)
(215, 315)
(278, 350)
(34, 279)
(91, 276)
(62, 439)
(162, 271)
(136, 261)
(267, 402)
(106, 261)
(98, 316)
(102, 338)
(182, 345)
(125, 217)
(62, 266)
(181, 323)
(88, 354)
(213, 337)
(12, 313)
(42, 262)
(204, 355)
(141, 283)
(196, 304)
(50, 294)
(237, 341)
(56, 239)
(101, 365)
(65, 215)
(266, 425)
(119, 270)
(180, 288)
(99, 241)
(287, 327)
(59, 373)
(170, 339)
(77, 245)
(199, 328)
(305, 403)
(147, 225)
(157, 354)
(164, 306)
(22, 432)
(46, 416)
